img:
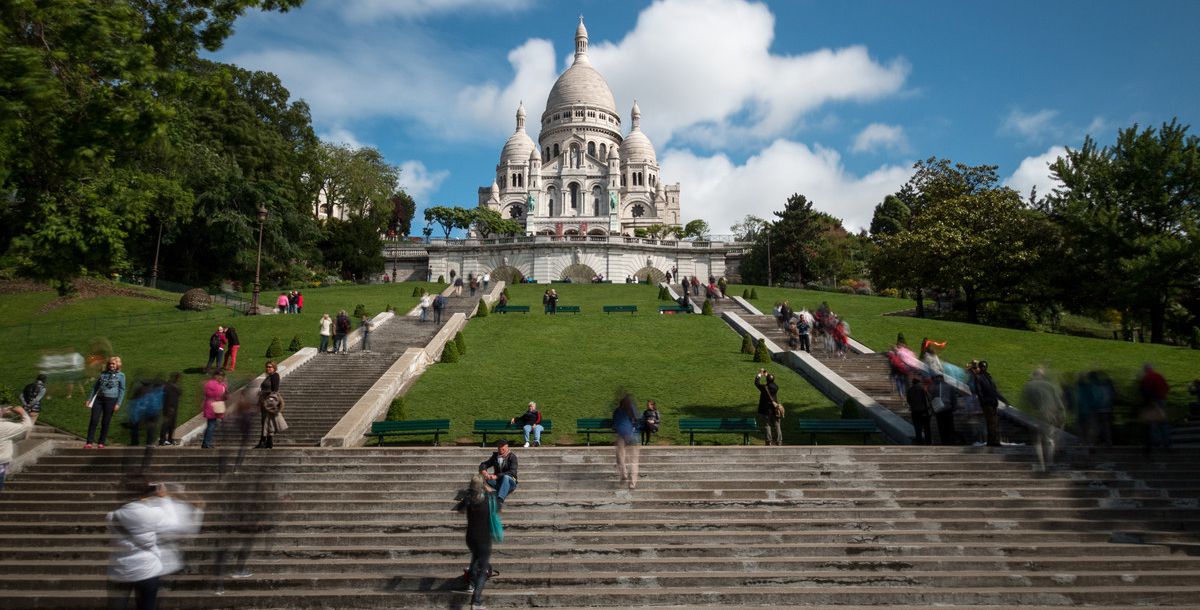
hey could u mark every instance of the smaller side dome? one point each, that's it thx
(533, 155)
(636, 148)
(519, 146)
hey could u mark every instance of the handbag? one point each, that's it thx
(218, 407)
(779, 410)
(494, 518)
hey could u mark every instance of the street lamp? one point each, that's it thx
(262, 219)
(768, 230)
(157, 246)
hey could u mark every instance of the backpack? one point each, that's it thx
(439, 302)
(29, 393)
(214, 341)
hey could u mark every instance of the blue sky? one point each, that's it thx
(745, 102)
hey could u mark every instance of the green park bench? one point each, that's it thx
(497, 427)
(673, 309)
(587, 426)
(567, 309)
(620, 308)
(719, 425)
(510, 308)
(436, 427)
(813, 427)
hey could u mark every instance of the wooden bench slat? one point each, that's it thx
(568, 308)
(724, 425)
(620, 308)
(485, 427)
(814, 426)
(437, 427)
(511, 308)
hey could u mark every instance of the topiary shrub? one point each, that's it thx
(195, 299)
(747, 345)
(460, 343)
(760, 352)
(295, 345)
(275, 350)
(846, 289)
(482, 311)
(745, 293)
(396, 409)
(754, 294)
(418, 291)
(450, 353)
(707, 309)
(360, 310)
(441, 279)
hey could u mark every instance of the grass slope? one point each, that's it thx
(1011, 354)
(154, 337)
(572, 365)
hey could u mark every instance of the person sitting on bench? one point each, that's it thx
(530, 421)
(503, 477)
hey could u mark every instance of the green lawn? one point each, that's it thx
(1011, 354)
(154, 337)
(573, 364)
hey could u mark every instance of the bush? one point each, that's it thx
(450, 353)
(9, 396)
(441, 279)
(754, 294)
(418, 291)
(863, 291)
(295, 345)
(460, 343)
(195, 299)
(846, 289)
(663, 294)
(275, 350)
(760, 352)
(1195, 342)
(745, 293)
(396, 409)
(482, 311)
(747, 345)
(707, 309)
(360, 310)
(890, 292)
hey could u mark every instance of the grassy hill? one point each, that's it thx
(153, 337)
(1011, 354)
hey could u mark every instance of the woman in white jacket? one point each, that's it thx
(144, 550)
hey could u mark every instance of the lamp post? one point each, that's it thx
(157, 246)
(262, 220)
(768, 230)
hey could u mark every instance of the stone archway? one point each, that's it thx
(656, 276)
(508, 274)
(578, 274)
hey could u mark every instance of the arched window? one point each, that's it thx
(603, 152)
(651, 179)
(512, 180)
(556, 150)
(622, 179)
(592, 148)
(597, 196)
(546, 155)
(574, 196)
(521, 180)
(551, 195)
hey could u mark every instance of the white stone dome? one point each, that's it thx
(581, 83)
(519, 146)
(636, 148)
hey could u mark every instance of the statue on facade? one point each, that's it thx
(531, 205)
(578, 255)
(612, 201)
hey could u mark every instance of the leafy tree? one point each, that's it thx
(403, 211)
(795, 241)
(749, 228)
(488, 222)
(91, 156)
(450, 217)
(353, 248)
(657, 231)
(1131, 220)
(355, 181)
(695, 228)
(890, 217)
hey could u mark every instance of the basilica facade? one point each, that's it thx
(582, 177)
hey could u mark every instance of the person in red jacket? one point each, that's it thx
(1153, 388)
(530, 421)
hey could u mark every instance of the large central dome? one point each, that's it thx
(581, 83)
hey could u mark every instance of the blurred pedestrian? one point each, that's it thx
(32, 395)
(989, 402)
(480, 506)
(341, 328)
(1046, 400)
(107, 394)
(769, 407)
(231, 348)
(1153, 409)
(625, 423)
(365, 324)
(920, 411)
(944, 400)
(170, 412)
(281, 303)
(426, 303)
(439, 306)
(10, 432)
(144, 533)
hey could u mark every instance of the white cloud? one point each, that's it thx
(717, 190)
(341, 135)
(877, 136)
(1031, 126)
(419, 182)
(705, 67)
(490, 105)
(1035, 171)
(360, 11)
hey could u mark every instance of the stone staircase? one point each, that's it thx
(879, 526)
(319, 392)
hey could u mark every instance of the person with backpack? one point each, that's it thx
(145, 409)
(216, 349)
(769, 407)
(170, 409)
(231, 348)
(32, 395)
(439, 305)
(341, 328)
